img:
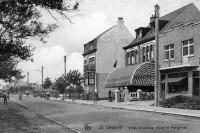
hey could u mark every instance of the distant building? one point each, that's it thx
(102, 54)
(179, 56)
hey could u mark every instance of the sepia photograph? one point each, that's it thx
(99, 66)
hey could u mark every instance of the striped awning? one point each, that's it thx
(138, 75)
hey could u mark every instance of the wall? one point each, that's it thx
(109, 49)
(176, 36)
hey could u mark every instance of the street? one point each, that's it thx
(15, 118)
(94, 119)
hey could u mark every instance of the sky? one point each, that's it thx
(92, 18)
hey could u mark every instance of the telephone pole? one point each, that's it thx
(65, 65)
(42, 76)
(157, 73)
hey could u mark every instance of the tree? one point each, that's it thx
(73, 78)
(8, 70)
(60, 84)
(19, 22)
(47, 83)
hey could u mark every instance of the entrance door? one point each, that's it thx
(196, 86)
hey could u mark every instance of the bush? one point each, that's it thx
(182, 102)
(174, 100)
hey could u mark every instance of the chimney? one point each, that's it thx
(120, 21)
(152, 19)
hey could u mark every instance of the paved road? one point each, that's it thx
(93, 119)
(15, 118)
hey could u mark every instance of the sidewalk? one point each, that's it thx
(140, 106)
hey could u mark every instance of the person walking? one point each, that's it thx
(8, 95)
(109, 96)
(20, 95)
(5, 98)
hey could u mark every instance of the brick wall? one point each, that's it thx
(176, 36)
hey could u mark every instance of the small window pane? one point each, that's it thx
(167, 47)
(172, 54)
(185, 43)
(191, 41)
(191, 49)
(166, 54)
(185, 51)
(171, 46)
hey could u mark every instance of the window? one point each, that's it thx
(128, 58)
(85, 61)
(132, 57)
(92, 60)
(143, 54)
(86, 48)
(147, 53)
(177, 87)
(188, 47)
(169, 52)
(86, 78)
(91, 46)
(91, 78)
(136, 56)
(151, 51)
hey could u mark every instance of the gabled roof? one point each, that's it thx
(102, 33)
(181, 16)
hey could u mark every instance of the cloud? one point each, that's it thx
(75, 62)
(52, 60)
(84, 28)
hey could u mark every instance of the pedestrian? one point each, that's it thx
(109, 96)
(8, 95)
(27, 93)
(95, 97)
(5, 98)
(20, 95)
(48, 95)
(126, 95)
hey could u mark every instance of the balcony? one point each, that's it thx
(89, 52)
(89, 67)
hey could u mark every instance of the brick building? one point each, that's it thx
(102, 54)
(179, 56)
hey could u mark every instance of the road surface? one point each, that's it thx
(95, 119)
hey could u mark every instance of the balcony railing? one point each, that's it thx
(89, 67)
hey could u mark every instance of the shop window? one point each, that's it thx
(178, 87)
(188, 47)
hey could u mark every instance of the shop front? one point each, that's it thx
(179, 81)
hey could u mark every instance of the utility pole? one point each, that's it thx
(65, 65)
(157, 74)
(42, 76)
(64, 95)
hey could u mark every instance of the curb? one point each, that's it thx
(136, 109)
(47, 117)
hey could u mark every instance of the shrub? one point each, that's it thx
(174, 100)
(182, 102)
